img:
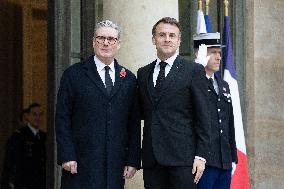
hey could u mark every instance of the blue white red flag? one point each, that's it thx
(208, 23)
(201, 27)
(240, 178)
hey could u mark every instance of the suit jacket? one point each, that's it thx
(176, 123)
(25, 160)
(99, 131)
(223, 145)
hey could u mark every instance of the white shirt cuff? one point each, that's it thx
(200, 158)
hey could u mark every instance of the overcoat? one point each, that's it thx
(99, 131)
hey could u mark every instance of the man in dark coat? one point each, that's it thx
(97, 129)
(223, 151)
(174, 106)
(25, 154)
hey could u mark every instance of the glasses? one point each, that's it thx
(110, 40)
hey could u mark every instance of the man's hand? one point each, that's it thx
(202, 57)
(70, 166)
(234, 166)
(197, 169)
(129, 172)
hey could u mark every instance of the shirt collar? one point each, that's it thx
(208, 77)
(35, 131)
(169, 61)
(100, 65)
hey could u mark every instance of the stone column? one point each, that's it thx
(137, 19)
(265, 92)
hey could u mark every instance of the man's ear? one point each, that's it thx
(153, 40)
(179, 41)
(118, 46)
(94, 42)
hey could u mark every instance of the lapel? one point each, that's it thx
(149, 80)
(92, 73)
(118, 79)
(220, 86)
(177, 65)
(31, 137)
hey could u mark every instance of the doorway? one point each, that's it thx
(23, 60)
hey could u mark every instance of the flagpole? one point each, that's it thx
(200, 5)
(207, 7)
(226, 9)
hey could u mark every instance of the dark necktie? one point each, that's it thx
(211, 81)
(161, 76)
(212, 84)
(108, 81)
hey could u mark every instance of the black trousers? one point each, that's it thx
(166, 177)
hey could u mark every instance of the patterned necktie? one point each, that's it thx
(108, 81)
(161, 77)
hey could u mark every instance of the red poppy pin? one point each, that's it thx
(122, 72)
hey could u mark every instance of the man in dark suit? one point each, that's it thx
(97, 129)
(25, 154)
(174, 107)
(223, 151)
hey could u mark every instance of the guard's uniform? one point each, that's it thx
(26, 158)
(223, 149)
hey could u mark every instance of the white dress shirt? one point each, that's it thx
(34, 130)
(101, 70)
(215, 84)
(169, 61)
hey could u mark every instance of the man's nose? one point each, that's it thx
(218, 57)
(167, 38)
(106, 42)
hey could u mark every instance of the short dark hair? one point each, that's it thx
(33, 105)
(28, 110)
(166, 20)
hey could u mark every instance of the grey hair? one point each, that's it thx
(108, 23)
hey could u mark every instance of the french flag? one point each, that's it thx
(208, 23)
(240, 178)
(201, 25)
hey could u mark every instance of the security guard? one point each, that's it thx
(223, 151)
(25, 154)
